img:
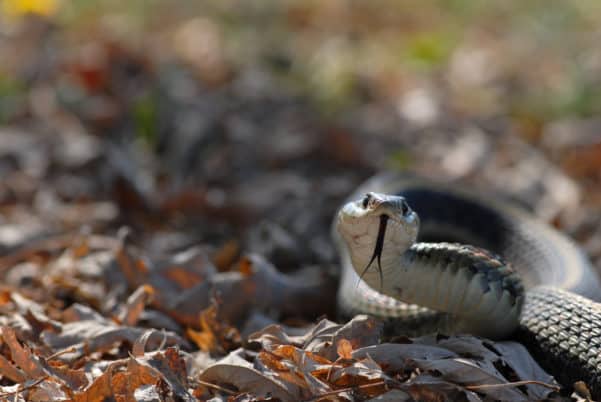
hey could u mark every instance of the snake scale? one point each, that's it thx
(481, 266)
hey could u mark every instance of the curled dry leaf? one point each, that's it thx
(139, 345)
(135, 304)
(90, 336)
(235, 370)
(215, 335)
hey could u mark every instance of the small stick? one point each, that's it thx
(512, 384)
(217, 387)
(61, 352)
(18, 391)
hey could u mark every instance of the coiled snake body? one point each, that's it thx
(545, 294)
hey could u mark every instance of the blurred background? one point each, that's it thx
(246, 123)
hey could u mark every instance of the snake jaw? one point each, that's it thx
(377, 254)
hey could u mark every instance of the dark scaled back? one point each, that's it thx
(455, 211)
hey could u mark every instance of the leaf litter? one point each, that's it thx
(148, 254)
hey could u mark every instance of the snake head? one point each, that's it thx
(377, 223)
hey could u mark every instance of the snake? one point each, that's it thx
(428, 256)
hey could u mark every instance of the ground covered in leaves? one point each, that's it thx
(167, 191)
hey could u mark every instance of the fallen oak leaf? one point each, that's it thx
(361, 331)
(304, 363)
(135, 305)
(36, 366)
(463, 372)
(508, 360)
(282, 368)
(120, 379)
(96, 336)
(395, 356)
(235, 370)
(22, 357)
(8, 370)
(273, 335)
(172, 366)
(119, 385)
(215, 335)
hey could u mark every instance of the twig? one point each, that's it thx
(33, 384)
(512, 384)
(61, 352)
(217, 387)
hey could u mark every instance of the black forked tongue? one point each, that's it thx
(378, 249)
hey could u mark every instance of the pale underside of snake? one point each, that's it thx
(488, 268)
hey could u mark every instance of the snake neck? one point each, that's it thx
(478, 288)
(364, 263)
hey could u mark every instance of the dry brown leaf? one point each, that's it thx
(468, 372)
(183, 277)
(344, 349)
(94, 336)
(135, 304)
(172, 366)
(22, 357)
(48, 390)
(134, 269)
(215, 335)
(281, 368)
(360, 331)
(272, 336)
(235, 370)
(165, 369)
(5, 297)
(394, 356)
(225, 256)
(513, 357)
(245, 266)
(119, 385)
(8, 370)
(74, 379)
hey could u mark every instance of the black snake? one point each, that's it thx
(545, 294)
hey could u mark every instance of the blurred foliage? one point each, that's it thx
(145, 112)
(12, 94)
(540, 60)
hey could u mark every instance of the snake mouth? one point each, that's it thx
(377, 254)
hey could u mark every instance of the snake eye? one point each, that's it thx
(365, 201)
